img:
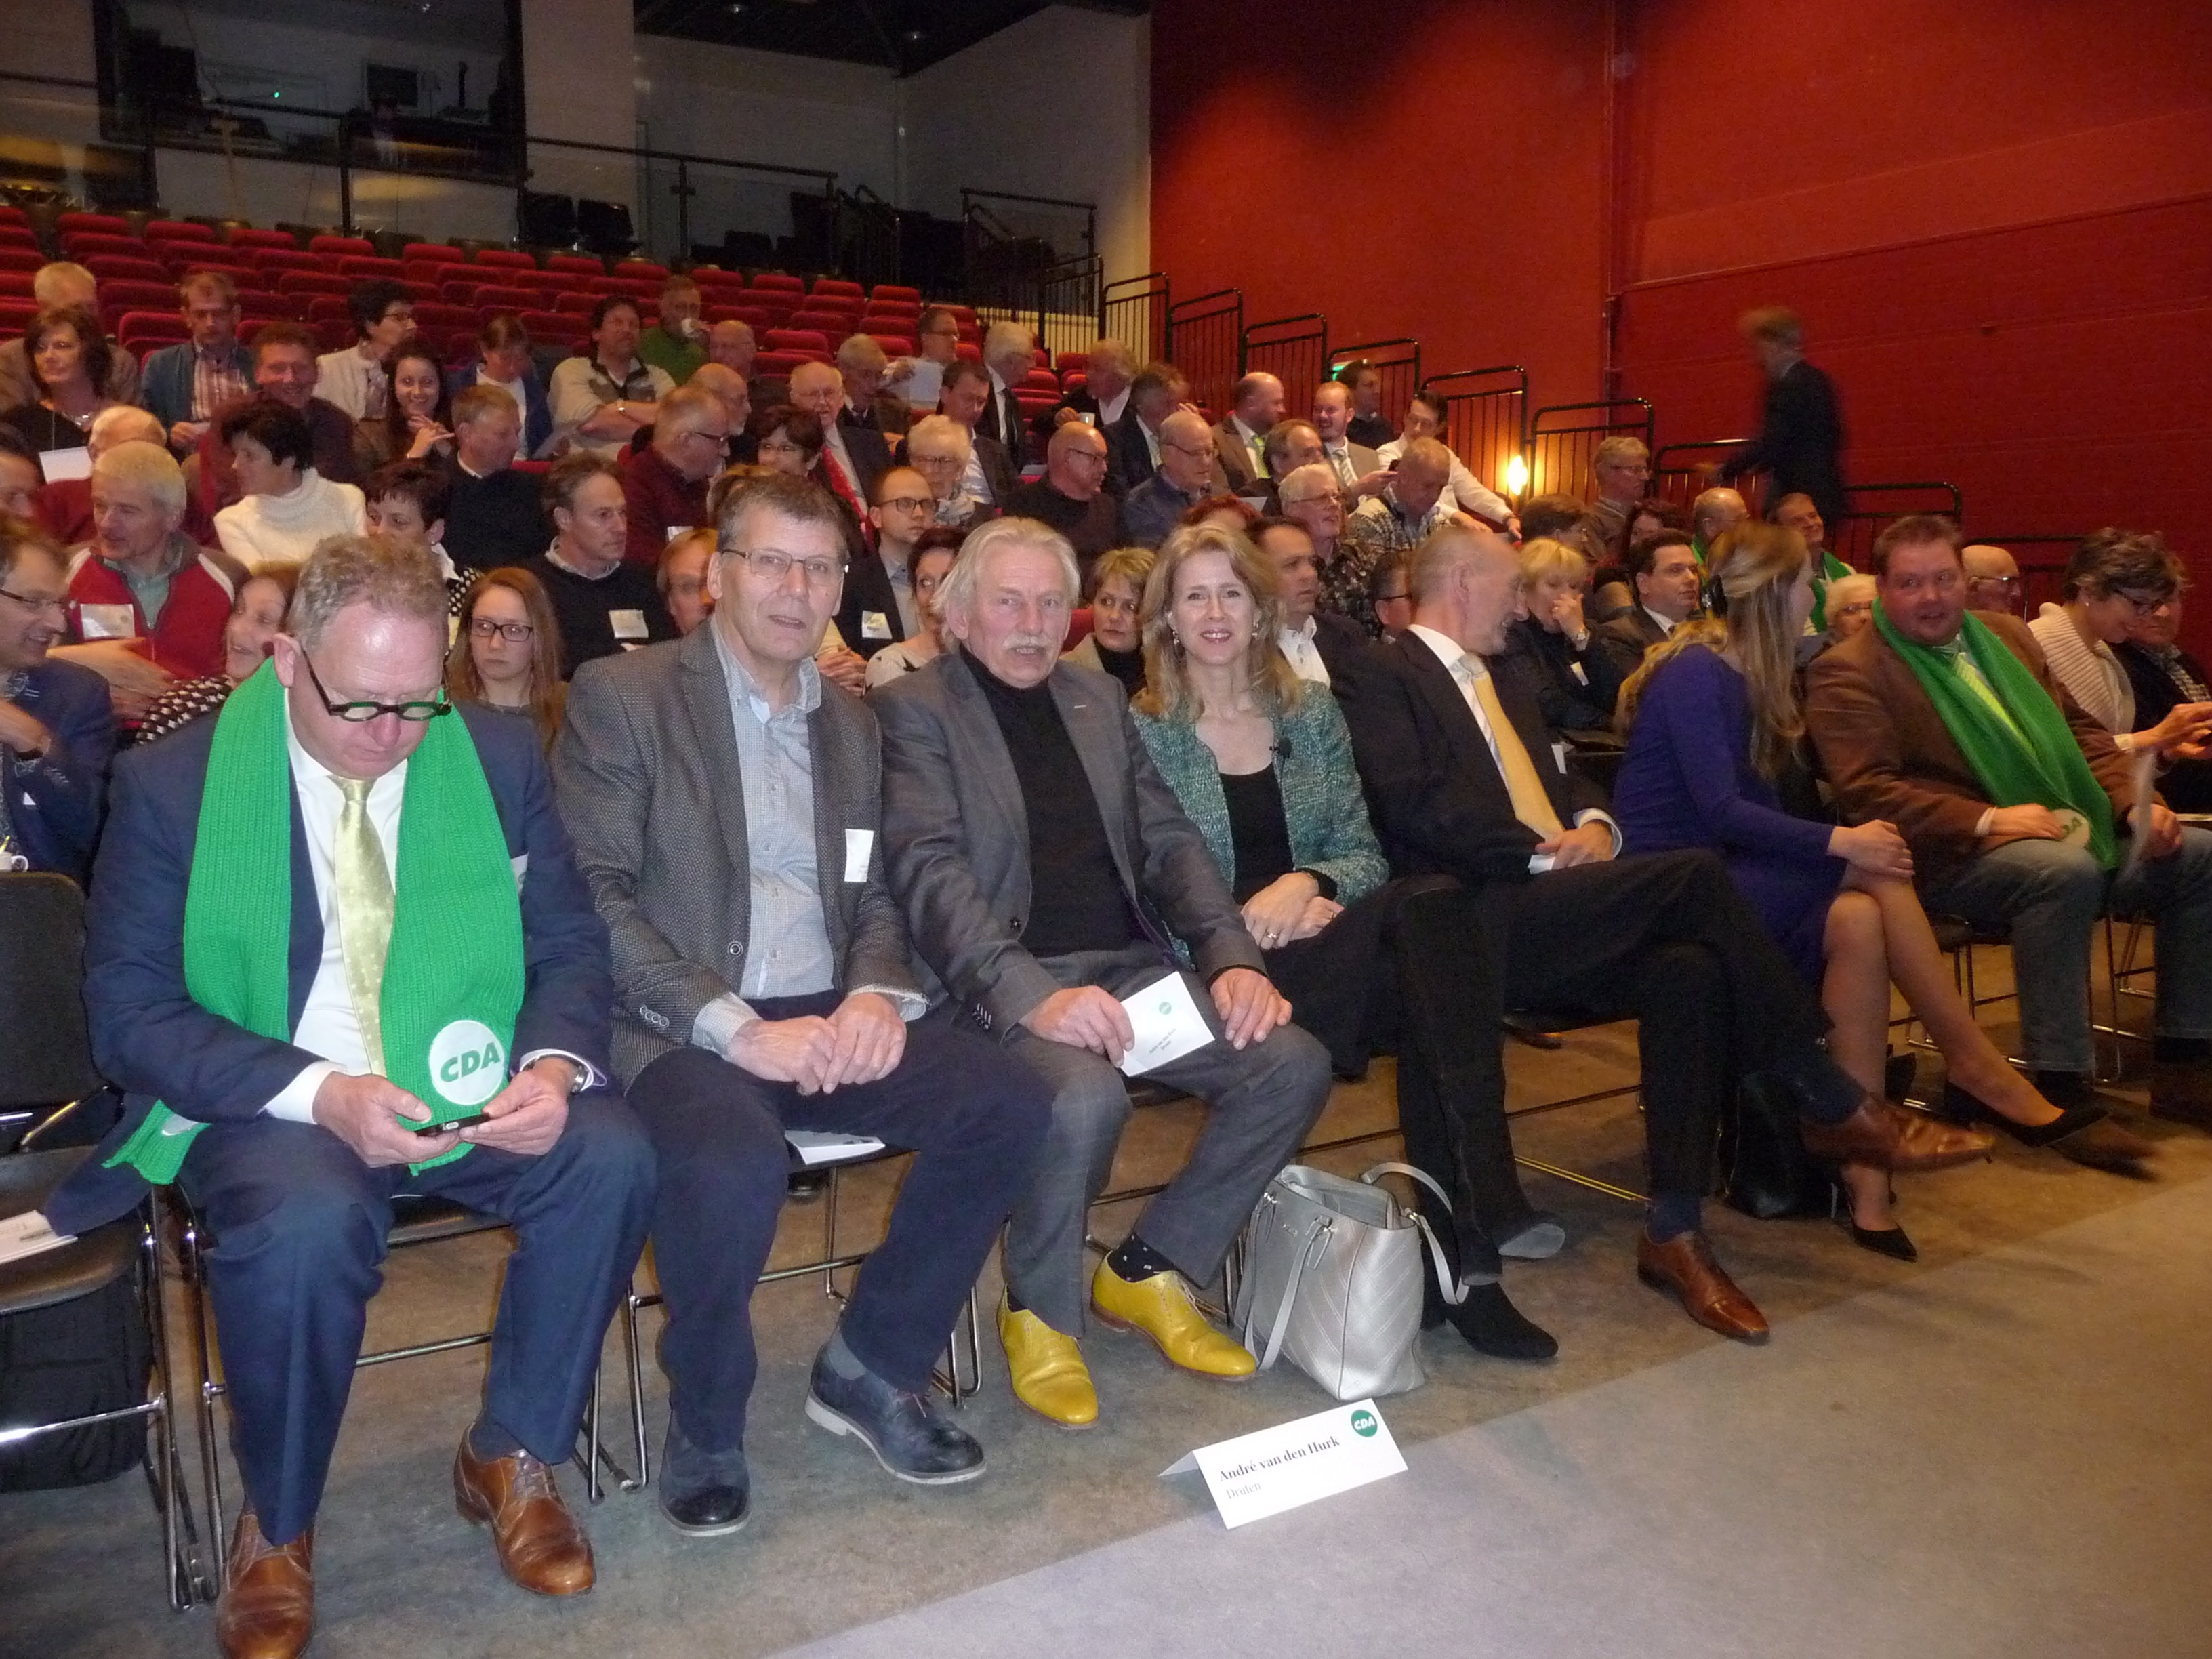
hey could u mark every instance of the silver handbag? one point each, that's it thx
(1333, 1277)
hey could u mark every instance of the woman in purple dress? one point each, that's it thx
(1714, 732)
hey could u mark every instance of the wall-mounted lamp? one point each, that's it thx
(1517, 475)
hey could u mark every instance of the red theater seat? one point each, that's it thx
(357, 247)
(509, 258)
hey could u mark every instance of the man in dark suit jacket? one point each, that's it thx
(1319, 644)
(1464, 780)
(1047, 872)
(1156, 392)
(726, 805)
(1801, 433)
(1665, 573)
(306, 1139)
(496, 513)
(56, 725)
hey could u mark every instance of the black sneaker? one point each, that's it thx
(703, 1493)
(908, 1433)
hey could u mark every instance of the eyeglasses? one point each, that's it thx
(908, 503)
(59, 607)
(719, 440)
(774, 566)
(1185, 449)
(360, 713)
(483, 628)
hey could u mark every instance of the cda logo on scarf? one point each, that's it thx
(468, 1062)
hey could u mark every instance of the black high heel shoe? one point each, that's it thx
(2085, 1133)
(1892, 1242)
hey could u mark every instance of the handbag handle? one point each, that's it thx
(1447, 1283)
(1316, 1236)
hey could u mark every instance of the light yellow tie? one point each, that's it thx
(1530, 804)
(365, 906)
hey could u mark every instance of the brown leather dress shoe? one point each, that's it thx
(540, 1546)
(268, 1608)
(1893, 1139)
(1684, 1266)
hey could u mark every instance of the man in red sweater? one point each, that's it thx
(140, 577)
(665, 484)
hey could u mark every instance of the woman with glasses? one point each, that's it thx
(507, 654)
(1117, 592)
(418, 419)
(68, 356)
(257, 617)
(2116, 578)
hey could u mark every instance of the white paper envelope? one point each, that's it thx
(1168, 1024)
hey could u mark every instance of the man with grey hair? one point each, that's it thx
(1110, 369)
(1620, 467)
(1992, 579)
(1410, 506)
(862, 364)
(720, 381)
(773, 992)
(1009, 354)
(65, 504)
(943, 451)
(64, 284)
(731, 344)
(1712, 515)
(1047, 873)
(140, 577)
(1801, 433)
(427, 1014)
(665, 484)
(1254, 407)
(1188, 462)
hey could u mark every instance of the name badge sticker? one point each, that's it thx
(875, 625)
(108, 622)
(859, 847)
(628, 626)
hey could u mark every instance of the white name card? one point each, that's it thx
(1166, 1023)
(1280, 1468)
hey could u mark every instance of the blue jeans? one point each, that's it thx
(2047, 898)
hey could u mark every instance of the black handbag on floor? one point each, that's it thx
(1765, 1171)
(77, 1357)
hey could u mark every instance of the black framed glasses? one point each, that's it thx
(514, 633)
(360, 713)
(60, 604)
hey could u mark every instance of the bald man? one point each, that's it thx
(853, 456)
(1188, 459)
(1072, 497)
(1712, 515)
(665, 484)
(1242, 435)
(1992, 579)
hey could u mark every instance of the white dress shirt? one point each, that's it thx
(1462, 486)
(328, 1024)
(1466, 669)
(1666, 623)
(1304, 655)
(1110, 409)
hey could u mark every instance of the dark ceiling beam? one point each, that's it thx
(886, 37)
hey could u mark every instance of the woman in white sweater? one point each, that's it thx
(2114, 577)
(287, 508)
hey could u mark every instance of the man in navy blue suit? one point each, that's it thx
(57, 734)
(336, 915)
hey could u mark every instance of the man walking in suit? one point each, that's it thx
(1047, 871)
(1800, 435)
(725, 802)
(1464, 782)
(328, 922)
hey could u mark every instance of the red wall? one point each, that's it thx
(1996, 215)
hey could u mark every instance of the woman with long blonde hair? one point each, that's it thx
(1714, 725)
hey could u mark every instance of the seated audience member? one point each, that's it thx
(991, 812)
(1368, 425)
(665, 484)
(1712, 515)
(1426, 415)
(1158, 392)
(57, 734)
(1100, 401)
(1288, 446)
(1255, 405)
(878, 606)
(1797, 512)
(356, 379)
(1663, 569)
(1462, 781)
(1072, 497)
(506, 653)
(927, 560)
(64, 506)
(731, 344)
(417, 424)
(728, 388)
(408, 501)
(2164, 677)
(1390, 594)
(862, 363)
(292, 1133)
(943, 450)
(1850, 611)
(2114, 577)
(286, 507)
(68, 357)
(1317, 644)
(602, 398)
(790, 440)
(1188, 461)
(285, 369)
(1565, 669)
(1309, 495)
(1260, 761)
(1359, 470)
(21, 477)
(495, 515)
(1714, 738)
(681, 576)
(1009, 354)
(1620, 470)
(919, 379)
(64, 286)
(676, 344)
(1116, 643)
(504, 359)
(1228, 511)
(184, 385)
(994, 470)
(1993, 580)
(1411, 505)
(604, 603)
(853, 458)
(257, 618)
(141, 577)
(782, 997)
(1949, 723)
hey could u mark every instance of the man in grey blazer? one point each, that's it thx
(725, 802)
(1046, 870)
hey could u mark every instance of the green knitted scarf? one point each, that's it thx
(452, 976)
(2032, 759)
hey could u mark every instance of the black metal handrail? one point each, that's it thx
(1485, 422)
(1139, 317)
(1560, 449)
(1678, 471)
(1205, 337)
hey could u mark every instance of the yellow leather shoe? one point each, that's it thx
(1049, 1375)
(1161, 1307)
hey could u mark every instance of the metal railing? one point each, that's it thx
(2042, 560)
(1206, 335)
(1134, 310)
(1486, 424)
(1679, 474)
(1398, 361)
(1868, 507)
(1563, 437)
(1294, 349)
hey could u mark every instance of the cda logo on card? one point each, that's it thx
(1364, 1422)
(468, 1062)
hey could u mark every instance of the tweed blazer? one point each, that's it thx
(1329, 832)
(646, 772)
(1887, 754)
(959, 838)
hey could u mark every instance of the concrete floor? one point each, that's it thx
(835, 1545)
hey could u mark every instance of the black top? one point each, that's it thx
(1076, 898)
(2161, 683)
(589, 610)
(1259, 832)
(1092, 527)
(1373, 431)
(1127, 666)
(495, 521)
(43, 430)
(1799, 439)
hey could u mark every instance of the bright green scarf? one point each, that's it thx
(2031, 760)
(1832, 569)
(452, 977)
